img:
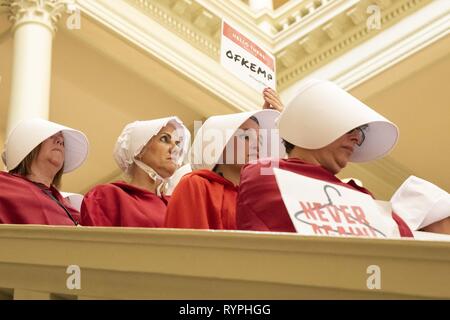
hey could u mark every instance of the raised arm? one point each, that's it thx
(272, 100)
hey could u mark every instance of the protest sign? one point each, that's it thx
(246, 60)
(318, 207)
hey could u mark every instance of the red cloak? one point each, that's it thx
(25, 202)
(203, 200)
(121, 204)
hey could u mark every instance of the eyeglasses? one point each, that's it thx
(362, 135)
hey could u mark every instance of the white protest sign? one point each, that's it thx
(318, 207)
(246, 60)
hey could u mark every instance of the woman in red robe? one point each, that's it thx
(323, 128)
(206, 197)
(37, 153)
(148, 152)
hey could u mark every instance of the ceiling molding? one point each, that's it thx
(188, 20)
(340, 35)
(322, 38)
(305, 36)
(283, 21)
(387, 48)
(326, 15)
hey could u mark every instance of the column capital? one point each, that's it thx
(44, 12)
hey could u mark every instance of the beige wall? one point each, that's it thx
(420, 106)
(415, 95)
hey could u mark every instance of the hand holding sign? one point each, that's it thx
(321, 208)
(272, 100)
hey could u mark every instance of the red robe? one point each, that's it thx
(120, 204)
(260, 206)
(203, 200)
(23, 202)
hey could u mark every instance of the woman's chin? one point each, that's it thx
(168, 172)
(57, 164)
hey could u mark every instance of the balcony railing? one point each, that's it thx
(135, 263)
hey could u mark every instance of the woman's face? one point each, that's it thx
(51, 153)
(336, 155)
(162, 152)
(244, 146)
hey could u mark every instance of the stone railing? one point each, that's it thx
(46, 262)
